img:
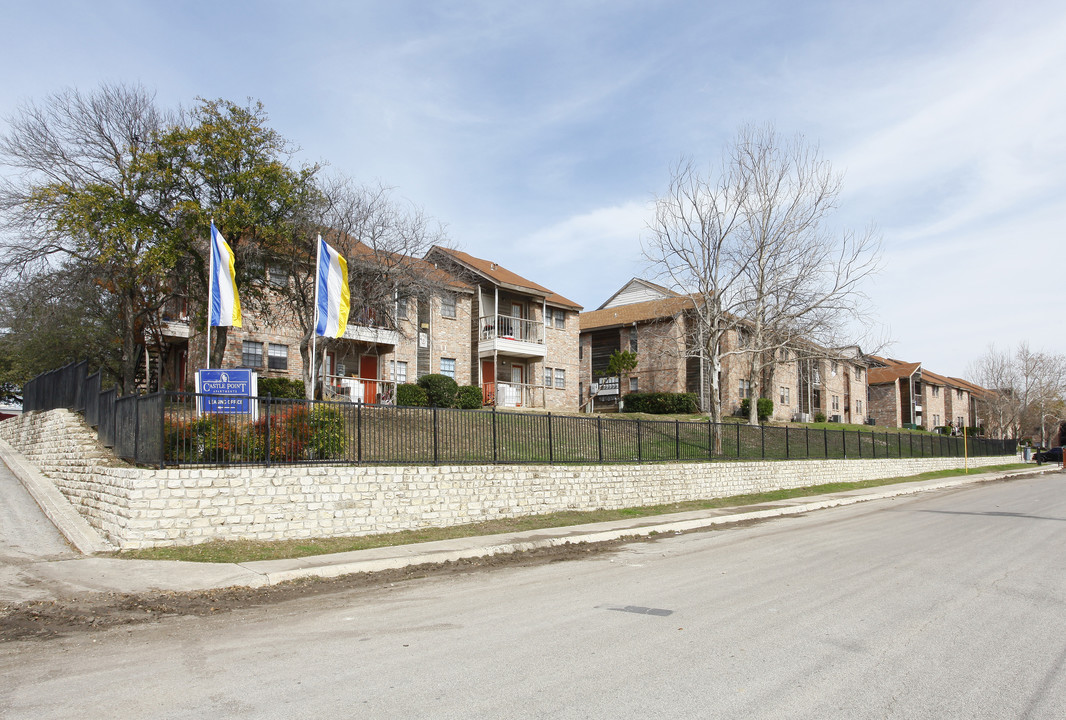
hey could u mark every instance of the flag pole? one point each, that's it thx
(210, 281)
(314, 321)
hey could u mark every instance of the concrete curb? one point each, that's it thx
(55, 506)
(392, 558)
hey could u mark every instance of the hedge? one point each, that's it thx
(661, 403)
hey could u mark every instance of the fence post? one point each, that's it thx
(738, 441)
(599, 434)
(136, 428)
(710, 439)
(640, 452)
(787, 456)
(825, 441)
(677, 439)
(162, 428)
(359, 433)
(807, 442)
(435, 443)
(844, 442)
(858, 433)
(551, 450)
(762, 441)
(495, 458)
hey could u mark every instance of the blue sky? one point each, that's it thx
(539, 133)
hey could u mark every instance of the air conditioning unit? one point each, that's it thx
(834, 418)
(801, 417)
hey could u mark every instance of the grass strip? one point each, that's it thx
(237, 551)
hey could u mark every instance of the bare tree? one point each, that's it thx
(754, 248)
(382, 239)
(1026, 390)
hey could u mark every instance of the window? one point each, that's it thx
(398, 370)
(560, 319)
(278, 275)
(401, 308)
(252, 354)
(958, 394)
(632, 340)
(548, 377)
(936, 390)
(833, 368)
(836, 402)
(279, 357)
(858, 373)
(580, 352)
(745, 389)
(936, 420)
(560, 378)
(959, 421)
(785, 393)
(447, 367)
(447, 305)
(633, 384)
(858, 408)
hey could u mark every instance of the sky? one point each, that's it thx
(540, 133)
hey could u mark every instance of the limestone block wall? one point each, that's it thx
(135, 507)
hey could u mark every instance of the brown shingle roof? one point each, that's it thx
(895, 371)
(634, 313)
(502, 276)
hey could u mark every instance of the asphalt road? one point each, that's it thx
(943, 605)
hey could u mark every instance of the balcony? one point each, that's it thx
(359, 390)
(364, 326)
(512, 336)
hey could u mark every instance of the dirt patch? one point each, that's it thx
(45, 620)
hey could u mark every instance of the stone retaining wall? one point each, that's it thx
(136, 507)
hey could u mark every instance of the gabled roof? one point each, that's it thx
(646, 311)
(501, 276)
(891, 373)
(638, 284)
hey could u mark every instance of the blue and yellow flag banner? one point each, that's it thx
(225, 304)
(334, 298)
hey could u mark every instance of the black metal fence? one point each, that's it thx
(167, 428)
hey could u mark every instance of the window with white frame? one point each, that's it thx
(560, 378)
(278, 358)
(633, 384)
(401, 308)
(836, 402)
(398, 371)
(745, 389)
(447, 305)
(833, 368)
(858, 408)
(447, 367)
(936, 420)
(252, 354)
(785, 395)
(959, 421)
(936, 390)
(560, 319)
(548, 375)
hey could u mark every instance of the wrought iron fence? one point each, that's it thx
(167, 428)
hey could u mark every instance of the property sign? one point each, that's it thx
(226, 391)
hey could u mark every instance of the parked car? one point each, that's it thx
(1046, 456)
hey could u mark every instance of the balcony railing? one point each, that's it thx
(505, 327)
(361, 390)
(512, 394)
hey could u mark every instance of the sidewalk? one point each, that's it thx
(46, 578)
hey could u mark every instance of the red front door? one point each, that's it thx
(488, 382)
(368, 370)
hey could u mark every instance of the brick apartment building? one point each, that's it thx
(903, 394)
(467, 318)
(655, 323)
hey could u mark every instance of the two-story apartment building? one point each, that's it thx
(522, 337)
(656, 324)
(462, 316)
(904, 394)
